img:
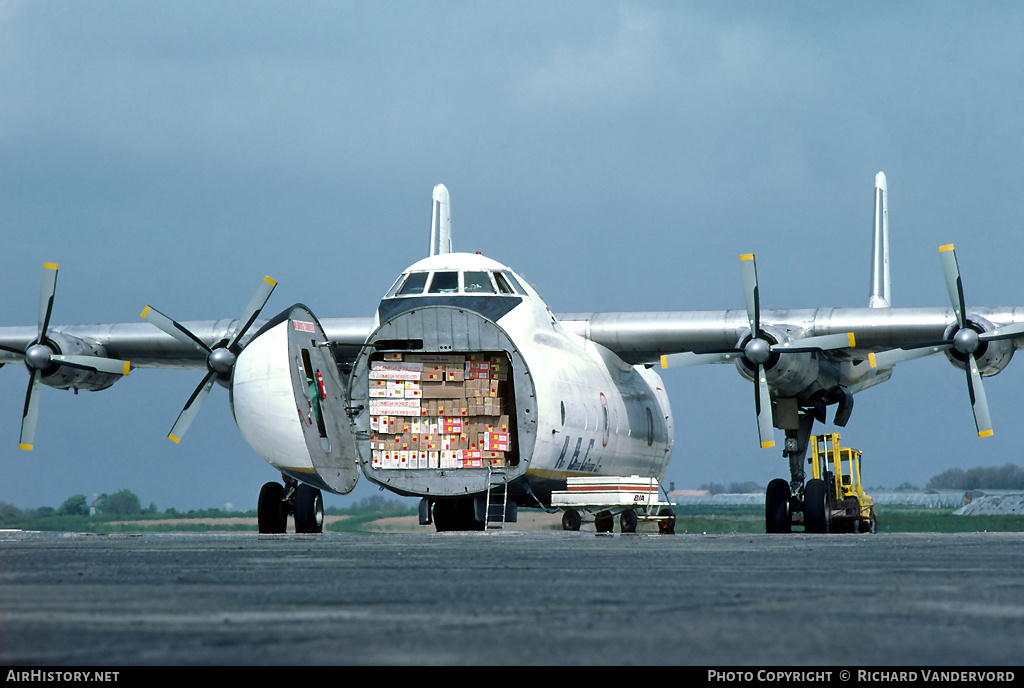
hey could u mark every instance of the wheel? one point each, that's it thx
(309, 510)
(667, 524)
(604, 522)
(776, 507)
(816, 506)
(270, 512)
(628, 521)
(456, 514)
(571, 520)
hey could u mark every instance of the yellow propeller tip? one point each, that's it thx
(174, 439)
(145, 311)
(767, 445)
(947, 247)
(50, 266)
(986, 433)
(26, 447)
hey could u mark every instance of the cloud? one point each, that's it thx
(605, 69)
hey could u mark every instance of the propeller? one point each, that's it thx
(758, 350)
(220, 359)
(964, 339)
(41, 357)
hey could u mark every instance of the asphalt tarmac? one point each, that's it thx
(523, 598)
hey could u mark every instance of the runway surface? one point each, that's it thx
(512, 598)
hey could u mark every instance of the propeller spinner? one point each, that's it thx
(41, 357)
(757, 350)
(220, 359)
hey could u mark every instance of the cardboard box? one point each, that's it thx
(396, 366)
(437, 359)
(442, 390)
(395, 407)
(496, 441)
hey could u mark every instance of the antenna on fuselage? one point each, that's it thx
(441, 222)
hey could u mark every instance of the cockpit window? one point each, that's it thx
(477, 283)
(503, 286)
(508, 284)
(415, 284)
(395, 286)
(445, 283)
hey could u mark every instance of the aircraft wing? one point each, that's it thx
(145, 346)
(644, 337)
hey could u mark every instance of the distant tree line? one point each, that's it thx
(748, 487)
(1007, 477)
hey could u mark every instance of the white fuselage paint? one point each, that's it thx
(588, 412)
(263, 402)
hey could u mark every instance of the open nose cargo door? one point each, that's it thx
(291, 403)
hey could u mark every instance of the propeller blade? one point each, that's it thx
(93, 363)
(750, 293)
(763, 404)
(953, 283)
(252, 311)
(825, 342)
(174, 329)
(978, 401)
(30, 415)
(894, 356)
(690, 358)
(191, 410)
(46, 298)
(1008, 332)
(9, 354)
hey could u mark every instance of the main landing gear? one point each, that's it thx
(302, 501)
(832, 500)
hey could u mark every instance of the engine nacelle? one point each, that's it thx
(67, 377)
(805, 376)
(992, 356)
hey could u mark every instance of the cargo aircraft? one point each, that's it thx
(463, 382)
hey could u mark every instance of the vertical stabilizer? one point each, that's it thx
(880, 285)
(441, 222)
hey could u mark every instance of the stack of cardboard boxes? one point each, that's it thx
(440, 411)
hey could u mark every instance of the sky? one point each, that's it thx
(619, 155)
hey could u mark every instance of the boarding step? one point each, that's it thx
(497, 499)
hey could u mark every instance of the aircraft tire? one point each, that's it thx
(628, 521)
(776, 507)
(816, 506)
(571, 520)
(271, 515)
(604, 522)
(309, 510)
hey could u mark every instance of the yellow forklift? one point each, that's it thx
(834, 500)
